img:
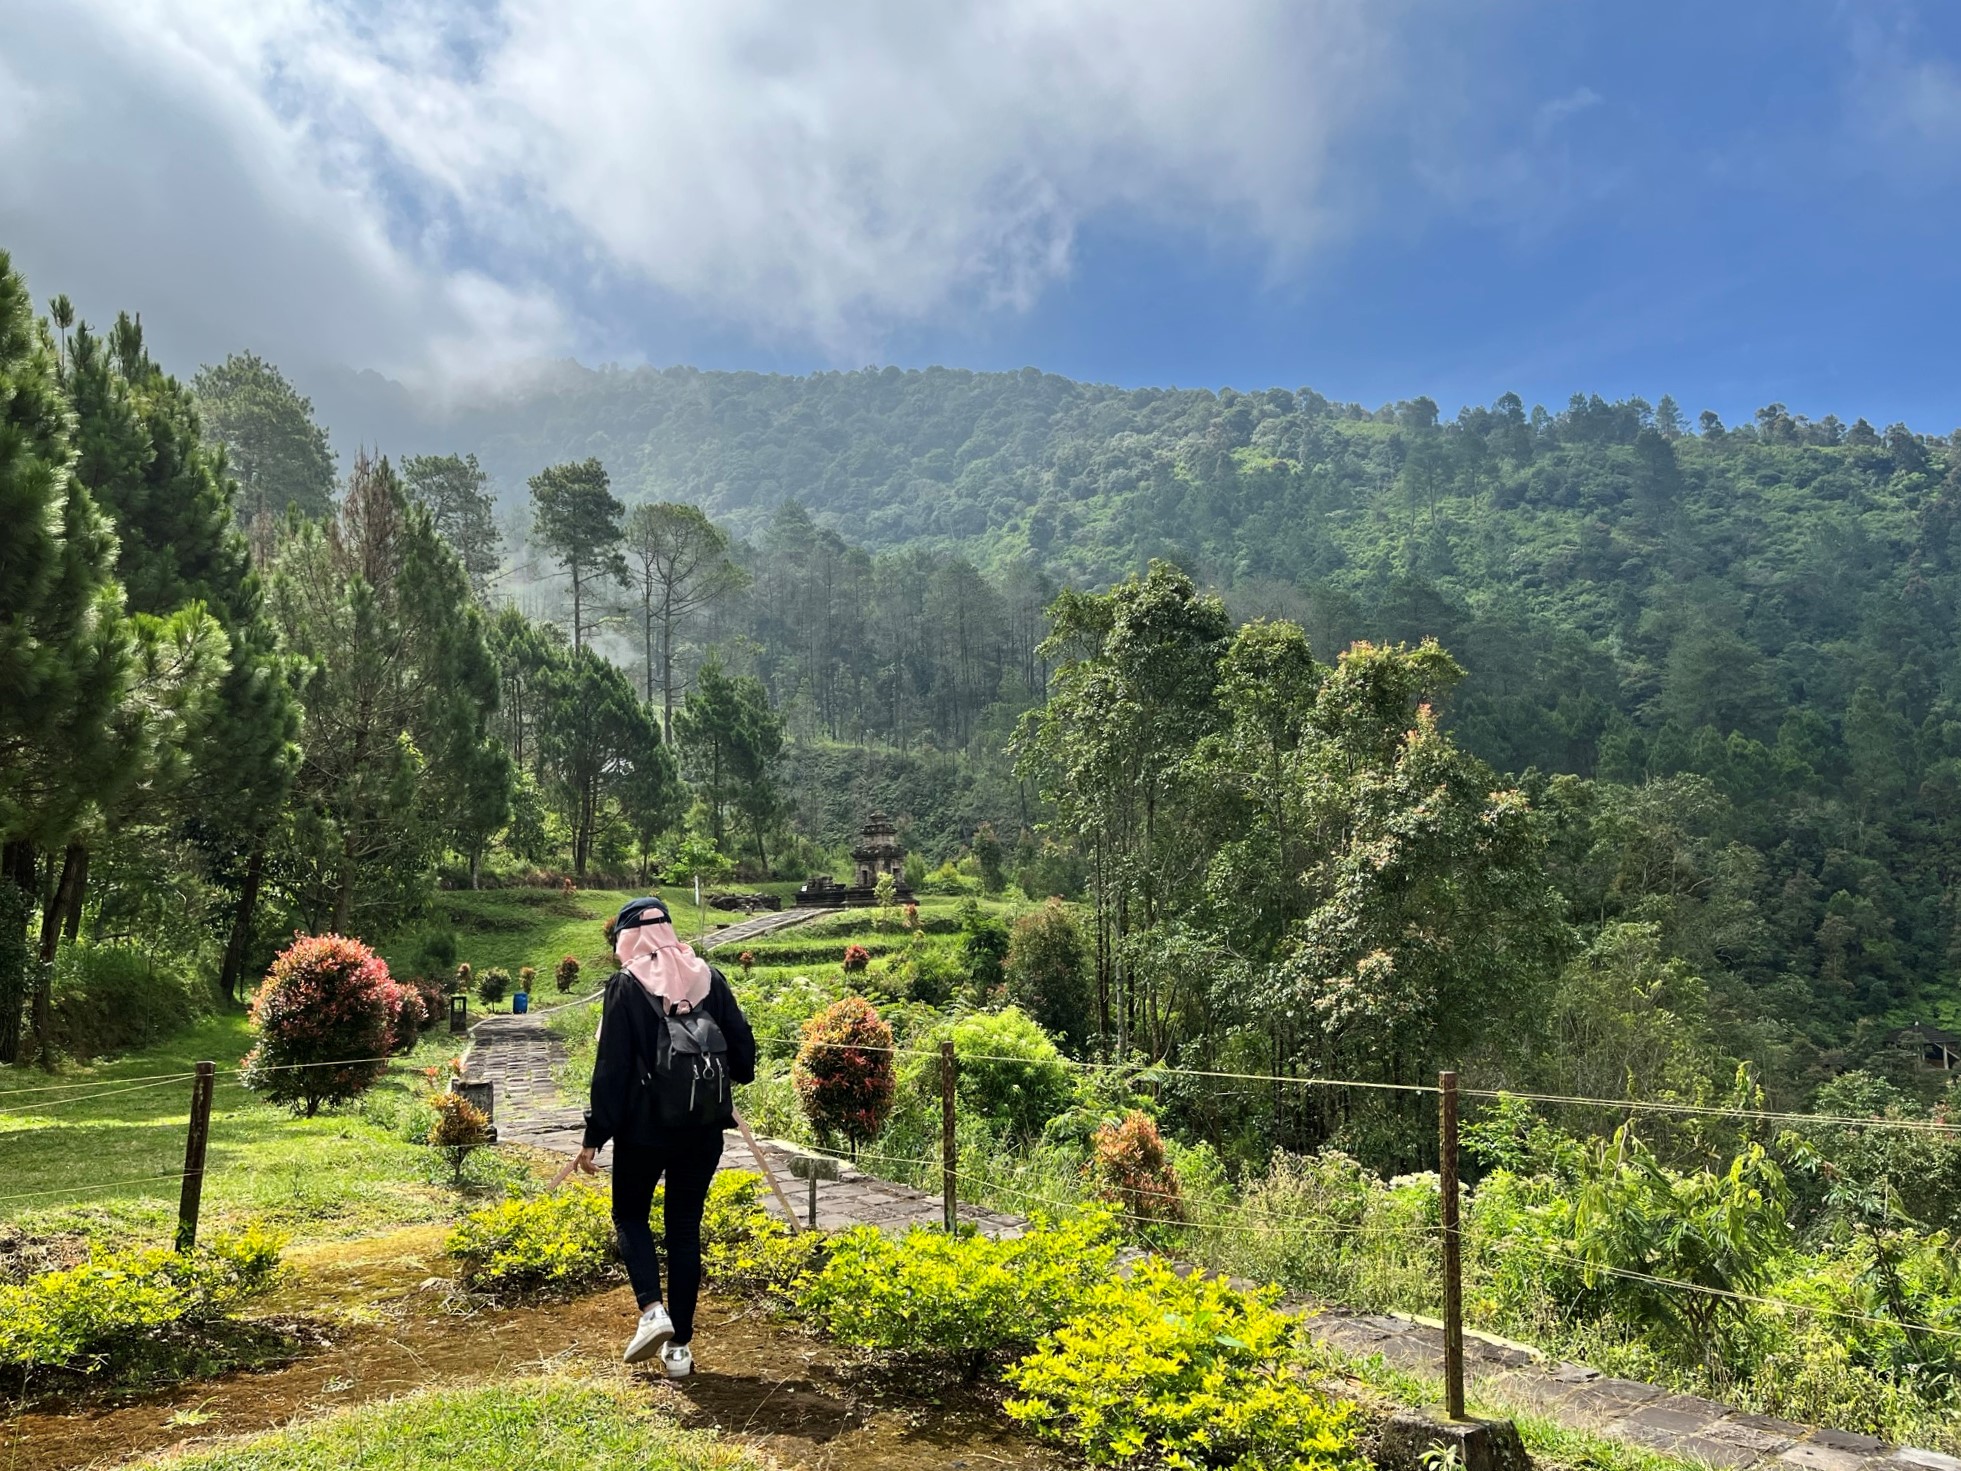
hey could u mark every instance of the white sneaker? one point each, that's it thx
(678, 1360)
(656, 1330)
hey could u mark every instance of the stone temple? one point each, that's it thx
(877, 852)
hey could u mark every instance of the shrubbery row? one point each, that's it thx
(1146, 1367)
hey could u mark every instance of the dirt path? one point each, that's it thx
(390, 1327)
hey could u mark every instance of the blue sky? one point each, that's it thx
(1738, 204)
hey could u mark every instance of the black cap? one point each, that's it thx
(642, 912)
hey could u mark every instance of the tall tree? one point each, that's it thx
(272, 443)
(594, 735)
(1130, 698)
(578, 521)
(456, 492)
(64, 645)
(732, 741)
(683, 566)
(399, 698)
(145, 459)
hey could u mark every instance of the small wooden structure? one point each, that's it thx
(1939, 1050)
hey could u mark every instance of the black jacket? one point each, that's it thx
(628, 1032)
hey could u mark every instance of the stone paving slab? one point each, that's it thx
(519, 1054)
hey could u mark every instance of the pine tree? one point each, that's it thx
(579, 522)
(594, 733)
(732, 741)
(279, 454)
(456, 492)
(399, 698)
(180, 546)
(683, 567)
(64, 644)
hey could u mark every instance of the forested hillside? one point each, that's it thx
(1746, 637)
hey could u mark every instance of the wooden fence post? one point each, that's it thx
(195, 1139)
(1452, 1244)
(949, 1159)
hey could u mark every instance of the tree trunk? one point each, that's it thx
(17, 873)
(578, 622)
(71, 919)
(647, 632)
(55, 908)
(667, 679)
(240, 942)
(344, 890)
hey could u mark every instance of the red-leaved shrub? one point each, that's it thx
(326, 1016)
(843, 1072)
(856, 958)
(434, 996)
(409, 1016)
(567, 974)
(1131, 1171)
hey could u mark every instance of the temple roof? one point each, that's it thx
(878, 839)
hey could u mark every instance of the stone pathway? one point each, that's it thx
(518, 1054)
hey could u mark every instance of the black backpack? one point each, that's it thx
(688, 1084)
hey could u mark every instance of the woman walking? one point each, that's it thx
(671, 1043)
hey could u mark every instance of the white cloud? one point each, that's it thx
(1902, 98)
(407, 181)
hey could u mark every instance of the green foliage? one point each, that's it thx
(731, 740)
(456, 492)
(1047, 972)
(557, 1243)
(113, 1308)
(114, 998)
(1010, 1073)
(1183, 1372)
(963, 1299)
(493, 985)
(983, 950)
(400, 754)
(272, 444)
(1720, 1232)
(746, 1249)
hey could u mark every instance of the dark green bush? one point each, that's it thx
(112, 998)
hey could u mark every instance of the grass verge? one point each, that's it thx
(545, 1424)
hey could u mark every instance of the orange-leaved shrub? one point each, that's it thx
(843, 1073)
(326, 1016)
(1132, 1172)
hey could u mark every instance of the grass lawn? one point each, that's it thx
(83, 1152)
(96, 1149)
(519, 1425)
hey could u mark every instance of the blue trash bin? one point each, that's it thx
(521, 1003)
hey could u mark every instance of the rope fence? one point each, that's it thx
(986, 1184)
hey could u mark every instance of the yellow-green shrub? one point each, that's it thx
(110, 1307)
(554, 1243)
(746, 1249)
(1183, 1373)
(958, 1297)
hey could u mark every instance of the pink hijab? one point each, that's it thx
(665, 965)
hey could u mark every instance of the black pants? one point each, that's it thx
(688, 1160)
